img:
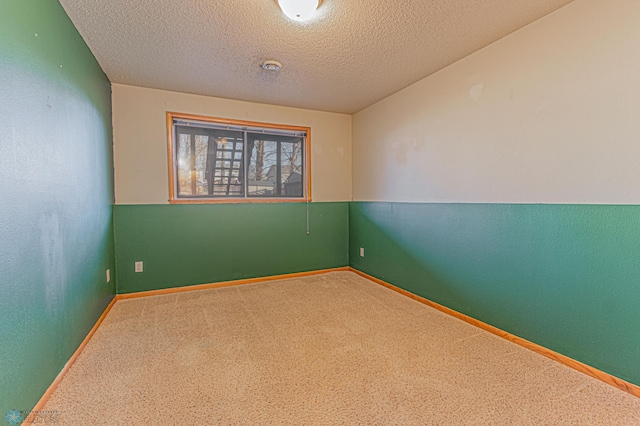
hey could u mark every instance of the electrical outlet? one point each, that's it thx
(361, 251)
(139, 267)
(108, 276)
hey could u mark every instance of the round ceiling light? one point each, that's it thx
(299, 10)
(271, 65)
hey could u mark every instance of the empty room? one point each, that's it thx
(319, 212)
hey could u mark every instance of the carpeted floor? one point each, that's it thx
(329, 349)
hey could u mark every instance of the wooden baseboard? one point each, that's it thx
(227, 283)
(45, 397)
(576, 365)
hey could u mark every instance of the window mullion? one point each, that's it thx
(279, 168)
(245, 171)
(176, 161)
(303, 151)
(194, 186)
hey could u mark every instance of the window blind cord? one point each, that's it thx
(308, 232)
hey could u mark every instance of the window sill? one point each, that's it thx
(239, 201)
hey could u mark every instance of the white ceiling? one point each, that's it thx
(351, 55)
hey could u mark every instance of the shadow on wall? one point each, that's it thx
(562, 276)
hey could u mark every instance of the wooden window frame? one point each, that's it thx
(173, 199)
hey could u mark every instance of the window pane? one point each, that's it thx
(202, 169)
(184, 165)
(202, 144)
(275, 166)
(227, 176)
(291, 177)
(262, 179)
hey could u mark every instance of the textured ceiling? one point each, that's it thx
(351, 55)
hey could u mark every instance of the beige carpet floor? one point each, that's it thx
(330, 349)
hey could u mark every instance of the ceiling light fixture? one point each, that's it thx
(299, 10)
(271, 65)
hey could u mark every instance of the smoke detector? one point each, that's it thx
(271, 65)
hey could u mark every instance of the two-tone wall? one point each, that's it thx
(56, 238)
(506, 186)
(197, 244)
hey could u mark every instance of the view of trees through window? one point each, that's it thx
(275, 167)
(211, 163)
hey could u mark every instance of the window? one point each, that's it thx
(217, 160)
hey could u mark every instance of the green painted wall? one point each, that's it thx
(197, 244)
(564, 276)
(56, 238)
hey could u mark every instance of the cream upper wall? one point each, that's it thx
(140, 141)
(549, 114)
